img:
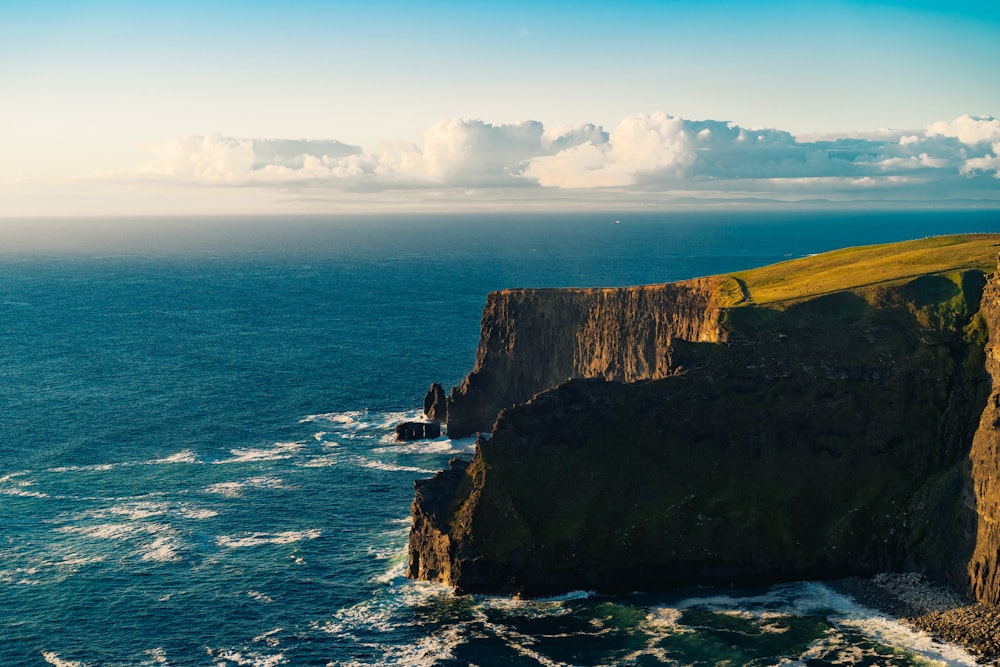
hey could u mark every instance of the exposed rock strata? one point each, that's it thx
(984, 494)
(828, 437)
(533, 340)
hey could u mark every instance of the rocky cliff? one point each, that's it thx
(705, 437)
(984, 477)
(533, 340)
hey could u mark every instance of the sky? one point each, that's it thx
(126, 108)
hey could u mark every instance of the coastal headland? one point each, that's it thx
(832, 416)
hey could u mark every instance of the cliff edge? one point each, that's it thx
(829, 416)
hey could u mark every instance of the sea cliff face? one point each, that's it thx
(533, 340)
(679, 434)
(983, 487)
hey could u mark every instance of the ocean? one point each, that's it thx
(196, 455)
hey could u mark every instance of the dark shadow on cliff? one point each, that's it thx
(825, 438)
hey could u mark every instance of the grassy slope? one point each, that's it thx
(852, 268)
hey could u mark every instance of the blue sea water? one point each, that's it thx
(196, 461)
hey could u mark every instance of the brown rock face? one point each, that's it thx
(533, 340)
(431, 553)
(983, 490)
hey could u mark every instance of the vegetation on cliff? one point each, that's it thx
(818, 423)
(869, 266)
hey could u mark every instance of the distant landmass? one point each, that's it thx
(832, 415)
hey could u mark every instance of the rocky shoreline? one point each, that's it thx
(934, 609)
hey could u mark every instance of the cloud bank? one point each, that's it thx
(656, 155)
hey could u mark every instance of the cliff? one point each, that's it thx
(836, 415)
(533, 340)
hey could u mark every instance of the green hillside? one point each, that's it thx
(863, 266)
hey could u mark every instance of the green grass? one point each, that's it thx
(864, 266)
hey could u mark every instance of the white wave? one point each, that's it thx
(388, 420)
(353, 421)
(321, 461)
(436, 446)
(893, 633)
(97, 467)
(165, 545)
(268, 638)
(157, 656)
(392, 467)
(805, 598)
(667, 617)
(396, 572)
(257, 539)
(235, 489)
(77, 561)
(184, 456)
(259, 597)
(20, 576)
(53, 659)
(48, 567)
(434, 649)
(280, 450)
(367, 616)
(104, 531)
(536, 607)
(571, 595)
(343, 418)
(164, 549)
(139, 510)
(227, 657)
(20, 488)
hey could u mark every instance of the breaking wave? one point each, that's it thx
(258, 539)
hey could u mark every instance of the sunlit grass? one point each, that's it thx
(862, 266)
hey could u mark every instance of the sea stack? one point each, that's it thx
(436, 404)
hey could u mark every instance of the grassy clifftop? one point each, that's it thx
(866, 266)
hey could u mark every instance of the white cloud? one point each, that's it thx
(215, 159)
(922, 161)
(653, 155)
(561, 138)
(464, 153)
(986, 163)
(212, 159)
(583, 166)
(641, 146)
(970, 130)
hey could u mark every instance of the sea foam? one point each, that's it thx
(257, 539)
(236, 489)
(280, 450)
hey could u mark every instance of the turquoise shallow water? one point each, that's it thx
(196, 465)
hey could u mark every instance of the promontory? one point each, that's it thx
(832, 415)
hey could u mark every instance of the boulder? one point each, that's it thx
(407, 431)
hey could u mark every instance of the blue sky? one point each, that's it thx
(120, 107)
